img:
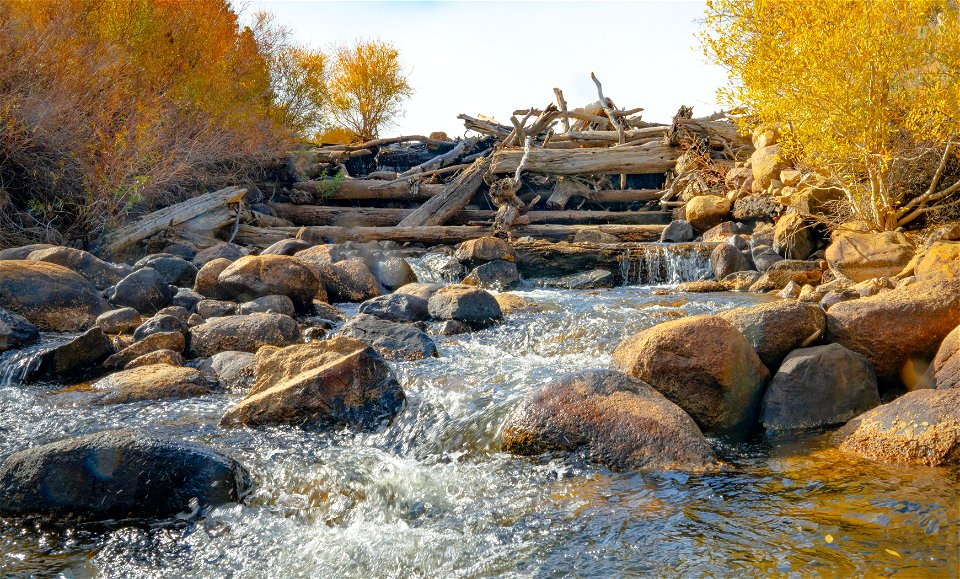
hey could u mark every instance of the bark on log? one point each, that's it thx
(157, 221)
(370, 189)
(454, 197)
(648, 158)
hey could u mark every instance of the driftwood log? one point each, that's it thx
(454, 197)
(358, 189)
(643, 159)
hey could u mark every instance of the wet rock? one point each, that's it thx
(793, 237)
(899, 330)
(327, 384)
(741, 281)
(593, 279)
(450, 328)
(100, 273)
(122, 320)
(115, 475)
(168, 357)
(706, 211)
(514, 304)
(254, 276)
(160, 324)
(679, 231)
(941, 262)
(392, 340)
(269, 304)
(783, 272)
(819, 387)
(16, 331)
(419, 290)
(160, 341)
(397, 307)
(243, 333)
(314, 333)
(497, 274)
(946, 364)
(471, 306)
(207, 281)
(861, 256)
(153, 382)
(613, 419)
(726, 259)
(701, 287)
(476, 251)
(349, 281)
(233, 370)
(704, 365)
(394, 272)
(78, 358)
(173, 269)
(442, 267)
(215, 309)
(143, 290)
(228, 251)
(920, 427)
(50, 296)
(186, 299)
(286, 247)
(775, 329)
(22, 252)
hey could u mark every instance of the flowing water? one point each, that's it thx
(432, 495)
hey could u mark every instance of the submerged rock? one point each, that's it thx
(777, 328)
(392, 340)
(16, 331)
(78, 358)
(326, 384)
(151, 382)
(50, 296)
(819, 387)
(471, 306)
(615, 420)
(920, 427)
(593, 279)
(704, 365)
(703, 286)
(118, 475)
(514, 304)
(243, 333)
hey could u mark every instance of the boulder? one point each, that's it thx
(719, 233)
(764, 257)
(233, 370)
(941, 261)
(78, 358)
(267, 305)
(257, 276)
(160, 324)
(397, 307)
(327, 384)
(50, 296)
(207, 280)
(861, 256)
(776, 328)
(176, 311)
(117, 475)
(394, 272)
(611, 418)
(497, 274)
(215, 309)
(153, 382)
(593, 279)
(819, 387)
(836, 296)
(286, 247)
(899, 330)
(100, 273)
(168, 357)
(173, 341)
(946, 364)
(920, 427)
(466, 304)
(183, 249)
(514, 304)
(324, 254)
(476, 251)
(419, 290)
(186, 299)
(16, 331)
(783, 272)
(818, 201)
(704, 365)
(741, 281)
(143, 290)
(392, 340)
(243, 333)
(173, 269)
(23, 251)
(793, 237)
(756, 208)
(766, 164)
(349, 281)
(679, 231)
(726, 259)
(440, 266)
(450, 328)
(228, 251)
(706, 211)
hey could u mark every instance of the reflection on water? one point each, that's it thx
(433, 496)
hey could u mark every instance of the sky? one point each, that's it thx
(492, 58)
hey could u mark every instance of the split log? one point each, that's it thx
(370, 189)
(172, 216)
(648, 158)
(454, 197)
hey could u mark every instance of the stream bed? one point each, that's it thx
(432, 495)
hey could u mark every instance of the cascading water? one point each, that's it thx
(665, 263)
(436, 268)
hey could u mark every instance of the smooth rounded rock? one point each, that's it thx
(243, 333)
(256, 276)
(469, 305)
(397, 307)
(152, 382)
(392, 340)
(50, 296)
(777, 328)
(143, 290)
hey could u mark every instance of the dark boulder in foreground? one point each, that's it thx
(819, 387)
(920, 427)
(116, 475)
(392, 340)
(615, 420)
(326, 384)
(397, 307)
(51, 296)
(78, 358)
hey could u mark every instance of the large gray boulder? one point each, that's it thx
(78, 358)
(777, 328)
(143, 290)
(466, 304)
(243, 333)
(726, 259)
(100, 273)
(392, 340)
(117, 475)
(397, 307)
(50, 296)
(173, 269)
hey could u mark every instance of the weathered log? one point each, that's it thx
(370, 189)
(647, 158)
(454, 197)
(612, 136)
(441, 160)
(157, 221)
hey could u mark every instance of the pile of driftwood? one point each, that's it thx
(552, 172)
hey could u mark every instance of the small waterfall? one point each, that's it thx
(666, 263)
(17, 365)
(436, 268)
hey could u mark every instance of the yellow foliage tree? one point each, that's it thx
(367, 87)
(865, 90)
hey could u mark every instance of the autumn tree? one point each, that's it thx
(866, 91)
(367, 87)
